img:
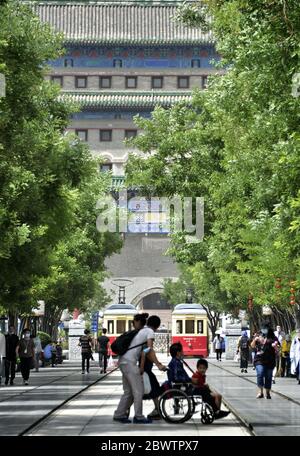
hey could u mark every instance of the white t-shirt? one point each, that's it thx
(132, 356)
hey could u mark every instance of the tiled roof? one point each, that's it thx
(128, 99)
(119, 22)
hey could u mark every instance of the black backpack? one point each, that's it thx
(121, 345)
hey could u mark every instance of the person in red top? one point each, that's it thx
(201, 388)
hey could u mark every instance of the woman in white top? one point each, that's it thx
(217, 343)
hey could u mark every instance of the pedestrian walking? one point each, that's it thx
(266, 344)
(85, 342)
(280, 334)
(2, 355)
(132, 375)
(37, 351)
(103, 347)
(47, 353)
(25, 351)
(285, 361)
(295, 356)
(12, 341)
(243, 349)
(217, 344)
(59, 353)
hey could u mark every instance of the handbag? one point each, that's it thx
(147, 384)
(110, 363)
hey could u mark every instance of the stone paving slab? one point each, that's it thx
(90, 414)
(275, 417)
(21, 406)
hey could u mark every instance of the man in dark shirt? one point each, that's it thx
(12, 342)
(85, 342)
(103, 346)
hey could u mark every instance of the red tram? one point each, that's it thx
(189, 326)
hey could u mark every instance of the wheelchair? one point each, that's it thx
(177, 405)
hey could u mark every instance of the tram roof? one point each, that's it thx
(186, 308)
(120, 309)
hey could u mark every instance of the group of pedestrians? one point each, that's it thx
(140, 358)
(25, 352)
(86, 344)
(273, 353)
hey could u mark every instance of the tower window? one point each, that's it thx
(183, 82)
(204, 82)
(105, 167)
(69, 63)
(117, 63)
(105, 82)
(58, 80)
(131, 82)
(130, 134)
(105, 135)
(195, 63)
(157, 82)
(81, 82)
(82, 134)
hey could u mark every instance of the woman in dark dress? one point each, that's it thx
(156, 390)
(266, 344)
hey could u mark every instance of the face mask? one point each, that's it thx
(27, 335)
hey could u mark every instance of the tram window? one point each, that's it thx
(179, 327)
(130, 325)
(190, 326)
(110, 327)
(200, 327)
(121, 326)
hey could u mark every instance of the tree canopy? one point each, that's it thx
(237, 145)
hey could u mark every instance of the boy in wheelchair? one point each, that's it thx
(196, 385)
(202, 389)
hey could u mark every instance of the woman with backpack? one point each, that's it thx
(243, 349)
(266, 344)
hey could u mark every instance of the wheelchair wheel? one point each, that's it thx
(175, 406)
(207, 414)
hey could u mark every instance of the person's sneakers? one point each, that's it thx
(6, 382)
(142, 420)
(83, 372)
(246, 372)
(26, 383)
(242, 370)
(268, 396)
(221, 414)
(273, 381)
(11, 382)
(253, 368)
(122, 420)
(260, 396)
(298, 382)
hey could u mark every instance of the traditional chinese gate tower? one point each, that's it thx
(123, 58)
